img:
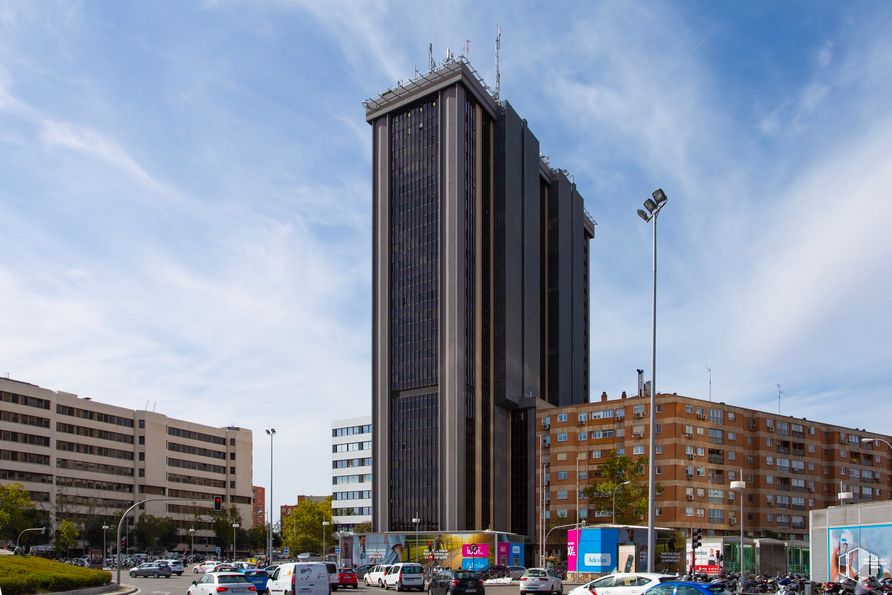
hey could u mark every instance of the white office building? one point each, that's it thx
(351, 472)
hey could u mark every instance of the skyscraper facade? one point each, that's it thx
(480, 304)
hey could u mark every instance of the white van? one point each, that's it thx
(299, 578)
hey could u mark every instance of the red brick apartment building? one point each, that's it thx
(790, 465)
(258, 509)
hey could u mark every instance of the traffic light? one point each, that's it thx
(430, 546)
(218, 503)
(696, 538)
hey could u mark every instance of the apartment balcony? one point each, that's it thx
(782, 450)
(798, 525)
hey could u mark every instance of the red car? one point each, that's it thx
(347, 578)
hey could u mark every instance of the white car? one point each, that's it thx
(537, 580)
(212, 583)
(205, 566)
(375, 576)
(622, 583)
(405, 575)
(176, 566)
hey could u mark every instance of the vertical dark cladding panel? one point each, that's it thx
(578, 241)
(508, 256)
(532, 264)
(376, 464)
(414, 315)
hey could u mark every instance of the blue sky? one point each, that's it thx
(185, 207)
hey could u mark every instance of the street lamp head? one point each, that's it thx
(271, 432)
(235, 525)
(325, 523)
(650, 205)
(866, 440)
(105, 527)
(643, 215)
(659, 196)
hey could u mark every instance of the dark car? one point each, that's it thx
(495, 571)
(686, 588)
(455, 582)
(151, 569)
(257, 577)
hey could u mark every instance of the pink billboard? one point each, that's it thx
(503, 551)
(475, 550)
(572, 548)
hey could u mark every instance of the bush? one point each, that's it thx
(20, 575)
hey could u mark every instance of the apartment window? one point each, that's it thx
(689, 430)
(583, 474)
(546, 421)
(769, 442)
(689, 450)
(562, 417)
(563, 475)
(689, 511)
(142, 424)
(769, 479)
(701, 512)
(701, 471)
(658, 469)
(701, 451)
(731, 416)
(716, 515)
(638, 410)
(658, 428)
(596, 454)
(700, 431)
(732, 436)
(658, 449)
(562, 437)
(715, 416)
(811, 448)
(638, 450)
(142, 456)
(659, 409)
(562, 456)
(769, 460)
(689, 409)
(562, 513)
(142, 440)
(620, 451)
(582, 436)
(620, 413)
(732, 455)
(732, 475)
(582, 416)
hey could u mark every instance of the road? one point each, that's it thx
(178, 585)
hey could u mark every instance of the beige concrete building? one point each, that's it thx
(83, 459)
(791, 465)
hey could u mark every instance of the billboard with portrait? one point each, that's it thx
(859, 551)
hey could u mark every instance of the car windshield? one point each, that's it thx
(411, 569)
(535, 572)
(465, 575)
(225, 579)
(261, 573)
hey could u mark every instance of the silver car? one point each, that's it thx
(232, 583)
(155, 569)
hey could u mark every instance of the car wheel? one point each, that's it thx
(132, 575)
(560, 588)
(430, 591)
(380, 583)
(399, 586)
(355, 586)
(194, 571)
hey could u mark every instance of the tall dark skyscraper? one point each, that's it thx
(480, 304)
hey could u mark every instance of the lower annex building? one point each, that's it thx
(80, 460)
(790, 465)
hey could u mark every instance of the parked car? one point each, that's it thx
(361, 570)
(455, 582)
(622, 583)
(347, 578)
(541, 579)
(516, 571)
(257, 577)
(405, 575)
(154, 569)
(684, 588)
(212, 583)
(204, 567)
(375, 576)
(176, 566)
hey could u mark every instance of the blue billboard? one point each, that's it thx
(597, 549)
(859, 551)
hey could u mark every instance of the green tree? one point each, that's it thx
(302, 529)
(223, 522)
(66, 535)
(365, 527)
(156, 533)
(631, 499)
(16, 510)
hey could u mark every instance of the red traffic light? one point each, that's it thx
(218, 503)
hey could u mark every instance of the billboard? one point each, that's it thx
(624, 549)
(473, 551)
(859, 551)
(706, 557)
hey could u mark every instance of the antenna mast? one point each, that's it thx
(779, 393)
(430, 56)
(498, 49)
(709, 370)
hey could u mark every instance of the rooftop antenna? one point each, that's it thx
(498, 49)
(779, 393)
(430, 56)
(467, 51)
(709, 370)
(147, 405)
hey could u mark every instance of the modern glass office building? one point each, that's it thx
(480, 304)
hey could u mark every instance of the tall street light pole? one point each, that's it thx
(234, 527)
(192, 535)
(416, 520)
(271, 432)
(613, 516)
(740, 486)
(324, 525)
(653, 206)
(104, 551)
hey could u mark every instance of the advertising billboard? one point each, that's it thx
(624, 549)
(859, 551)
(471, 551)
